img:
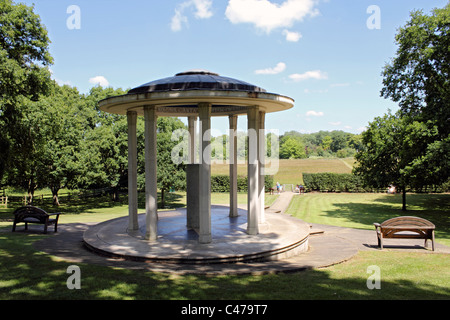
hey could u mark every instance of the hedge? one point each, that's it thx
(333, 182)
(347, 182)
(221, 183)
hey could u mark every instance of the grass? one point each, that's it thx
(29, 274)
(290, 171)
(361, 210)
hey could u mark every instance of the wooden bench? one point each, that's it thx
(30, 214)
(405, 227)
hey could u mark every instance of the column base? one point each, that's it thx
(252, 231)
(151, 238)
(204, 239)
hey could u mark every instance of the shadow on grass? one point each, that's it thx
(29, 274)
(433, 207)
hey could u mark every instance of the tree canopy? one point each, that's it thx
(418, 78)
(412, 147)
(24, 73)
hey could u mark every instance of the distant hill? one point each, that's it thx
(290, 170)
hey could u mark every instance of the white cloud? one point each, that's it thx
(99, 80)
(202, 11)
(63, 82)
(203, 8)
(280, 67)
(335, 123)
(292, 36)
(177, 20)
(361, 129)
(267, 15)
(315, 74)
(314, 113)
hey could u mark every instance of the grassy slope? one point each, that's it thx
(290, 171)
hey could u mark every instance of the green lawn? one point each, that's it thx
(28, 274)
(361, 210)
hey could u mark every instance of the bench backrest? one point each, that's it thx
(30, 212)
(407, 220)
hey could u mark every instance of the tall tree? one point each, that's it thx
(105, 148)
(24, 73)
(418, 78)
(390, 146)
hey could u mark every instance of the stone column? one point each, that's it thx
(253, 202)
(192, 134)
(192, 179)
(151, 214)
(204, 110)
(233, 165)
(262, 161)
(132, 172)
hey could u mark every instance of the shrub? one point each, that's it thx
(221, 183)
(333, 182)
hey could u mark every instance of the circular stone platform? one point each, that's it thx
(280, 237)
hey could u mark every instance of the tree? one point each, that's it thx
(339, 140)
(390, 146)
(52, 131)
(326, 142)
(354, 142)
(418, 79)
(105, 147)
(292, 148)
(24, 74)
(64, 123)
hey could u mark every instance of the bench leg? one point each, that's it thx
(380, 242)
(431, 237)
(432, 240)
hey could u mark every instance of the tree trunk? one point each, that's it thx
(55, 196)
(31, 188)
(404, 199)
(162, 199)
(116, 194)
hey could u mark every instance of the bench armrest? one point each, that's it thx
(377, 226)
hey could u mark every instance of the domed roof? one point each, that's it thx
(196, 79)
(181, 94)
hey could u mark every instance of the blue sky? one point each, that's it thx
(321, 53)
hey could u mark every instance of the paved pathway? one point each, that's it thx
(282, 202)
